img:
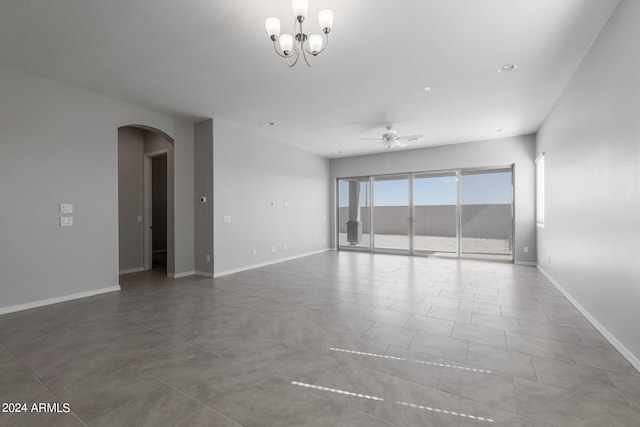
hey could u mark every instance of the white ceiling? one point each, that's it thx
(213, 58)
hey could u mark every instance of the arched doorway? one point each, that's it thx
(145, 200)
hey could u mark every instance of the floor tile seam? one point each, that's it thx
(371, 415)
(564, 343)
(529, 356)
(534, 418)
(44, 385)
(624, 395)
(377, 370)
(367, 330)
(552, 338)
(635, 375)
(200, 410)
(441, 390)
(581, 395)
(412, 339)
(145, 373)
(348, 405)
(195, 399)
(140, 398)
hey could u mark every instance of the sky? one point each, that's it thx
(485, 188)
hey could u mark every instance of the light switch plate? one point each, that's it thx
(226, 218)
(66, 208)
(66, 221)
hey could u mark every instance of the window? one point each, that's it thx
(540, 191)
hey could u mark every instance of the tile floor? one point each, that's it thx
(336, 339)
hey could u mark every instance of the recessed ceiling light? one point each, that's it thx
(267, 124)
(507, 68)
(427, 88)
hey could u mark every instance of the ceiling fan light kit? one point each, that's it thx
(292, 47)
(391, 139)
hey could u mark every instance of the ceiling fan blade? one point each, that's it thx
(400, 144)
(373, 139)
(410, 137)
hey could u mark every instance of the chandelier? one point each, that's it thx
(291, 47)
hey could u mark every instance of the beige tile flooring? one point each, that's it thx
(336, 339)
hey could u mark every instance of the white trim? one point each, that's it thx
(131, 270)
(263, 264)
(530, 263)
(180, 275)
(204, 273)
(157, 153)
(626, 353)
(34, 304)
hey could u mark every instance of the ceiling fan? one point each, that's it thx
(391, 138)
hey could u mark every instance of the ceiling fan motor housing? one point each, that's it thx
(392, 134)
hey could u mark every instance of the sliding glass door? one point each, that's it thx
(354, 207)
(486, 212)
(392, 217)
(435, 196)
(449, 213)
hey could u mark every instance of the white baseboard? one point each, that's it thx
(263, 264)
(131, 270)
(34, 304)
(204, 273)
(530, 263)
(179, 275)
(626, 353)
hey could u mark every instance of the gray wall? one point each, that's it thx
(519, 151)
(253, 178)
(130, 197)
(486, 221)
(203, 179)
(58, 144)
(592, 145)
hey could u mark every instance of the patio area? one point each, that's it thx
(439, 246)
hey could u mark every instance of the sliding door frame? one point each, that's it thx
(412, 212)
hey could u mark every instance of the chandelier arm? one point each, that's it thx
(276, 49)
(297, 56)
(306, 48)
(326, 43)
(304, 54)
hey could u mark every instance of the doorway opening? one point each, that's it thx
(145, 200)
(454, 213)
(155, 191)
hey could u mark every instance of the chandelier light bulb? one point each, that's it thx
(315, 43)
(300, 8)
(273, 27)
(286, 43)
(299, 44)
(325, 17)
